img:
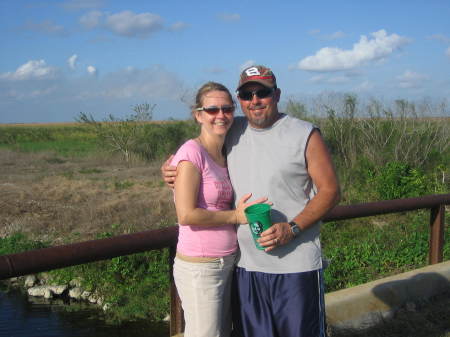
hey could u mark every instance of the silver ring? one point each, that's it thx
(276, 241)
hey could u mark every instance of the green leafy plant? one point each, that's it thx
(398, 180)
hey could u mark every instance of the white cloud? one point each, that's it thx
(366, 50)
(91, 20)
(317, 79)
(152, 83)
(229, 17)
(411, 79)
(71, 61)
(440, 37)
(41, 100)
(46, 27)
(314, 32)
(91, 70)
(33, 69)
(447, 52)
(364, 86)
(177, 26)
(82, 4)
(336, 35)
(338, 79)
(129, 24)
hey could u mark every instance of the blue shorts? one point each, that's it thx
(278, 305)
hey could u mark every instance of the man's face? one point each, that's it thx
(261, 112)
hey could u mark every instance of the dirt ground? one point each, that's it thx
(64, 200)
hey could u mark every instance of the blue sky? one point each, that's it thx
(60, 58)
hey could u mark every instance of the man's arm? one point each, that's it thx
(323, 175)
(168, 172)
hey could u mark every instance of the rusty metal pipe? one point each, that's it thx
(90, 251)
(386, 206)
(78, 253)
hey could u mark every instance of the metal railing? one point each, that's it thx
(45, 259)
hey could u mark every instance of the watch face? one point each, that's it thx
(294, 228)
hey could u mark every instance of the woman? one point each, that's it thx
(203, 194)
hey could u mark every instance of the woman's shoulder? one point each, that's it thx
(190, 151)
(190, 145)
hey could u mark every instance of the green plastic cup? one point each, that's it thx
(258, 217)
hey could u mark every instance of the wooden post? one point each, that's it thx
(176, 311)
(436, 234)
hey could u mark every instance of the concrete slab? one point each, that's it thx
(367, 304)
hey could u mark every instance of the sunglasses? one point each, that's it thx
(214, 110)
(260, 93)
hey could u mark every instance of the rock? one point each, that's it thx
(167, 318)
(48, 293)
(58, 290)
(93, 298)
(37, 291)
(76, 282)
(75, 293)
(44, 277)
(85, 295)
(30, 281)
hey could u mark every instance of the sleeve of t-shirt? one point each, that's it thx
(189, 151)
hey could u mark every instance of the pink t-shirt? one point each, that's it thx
(215, 193)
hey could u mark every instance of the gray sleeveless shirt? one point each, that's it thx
(271, 162)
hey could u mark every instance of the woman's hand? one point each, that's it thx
(242, 205)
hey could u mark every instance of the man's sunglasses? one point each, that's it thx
(214, 110)
(260, 93)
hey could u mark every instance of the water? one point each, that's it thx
(24, 317)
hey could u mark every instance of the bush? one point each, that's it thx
(398, 180)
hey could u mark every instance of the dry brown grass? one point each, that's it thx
(66, 200)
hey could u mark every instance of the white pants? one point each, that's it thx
(205, 290)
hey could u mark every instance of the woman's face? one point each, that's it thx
(216, 121)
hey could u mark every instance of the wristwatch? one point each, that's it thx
(295, 229)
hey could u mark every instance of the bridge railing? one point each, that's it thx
(45, 259)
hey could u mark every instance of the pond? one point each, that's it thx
(22, 316)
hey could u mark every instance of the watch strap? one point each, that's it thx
(295, 229)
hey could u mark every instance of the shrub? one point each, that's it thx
(398, 180)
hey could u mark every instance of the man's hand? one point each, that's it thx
(169, 173)
(278, 234)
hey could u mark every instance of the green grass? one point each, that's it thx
(64, 148)
(65, 141)
(360, 252)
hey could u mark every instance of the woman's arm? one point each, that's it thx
(186, 191)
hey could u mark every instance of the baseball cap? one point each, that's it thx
(258, 74)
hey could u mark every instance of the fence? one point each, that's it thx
(78, 253)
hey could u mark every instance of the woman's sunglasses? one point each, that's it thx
(260, 93)
(214, 110)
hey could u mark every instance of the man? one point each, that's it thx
(280, 289)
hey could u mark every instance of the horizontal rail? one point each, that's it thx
(44, 259)
(386, 206)
(83, 252)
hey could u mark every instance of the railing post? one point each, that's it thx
(176, 311)
(436, 234)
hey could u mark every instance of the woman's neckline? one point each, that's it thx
(198, 142)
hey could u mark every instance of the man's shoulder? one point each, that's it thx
(298, 124)
(297, 121)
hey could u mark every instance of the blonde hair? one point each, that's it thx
(205, 89)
